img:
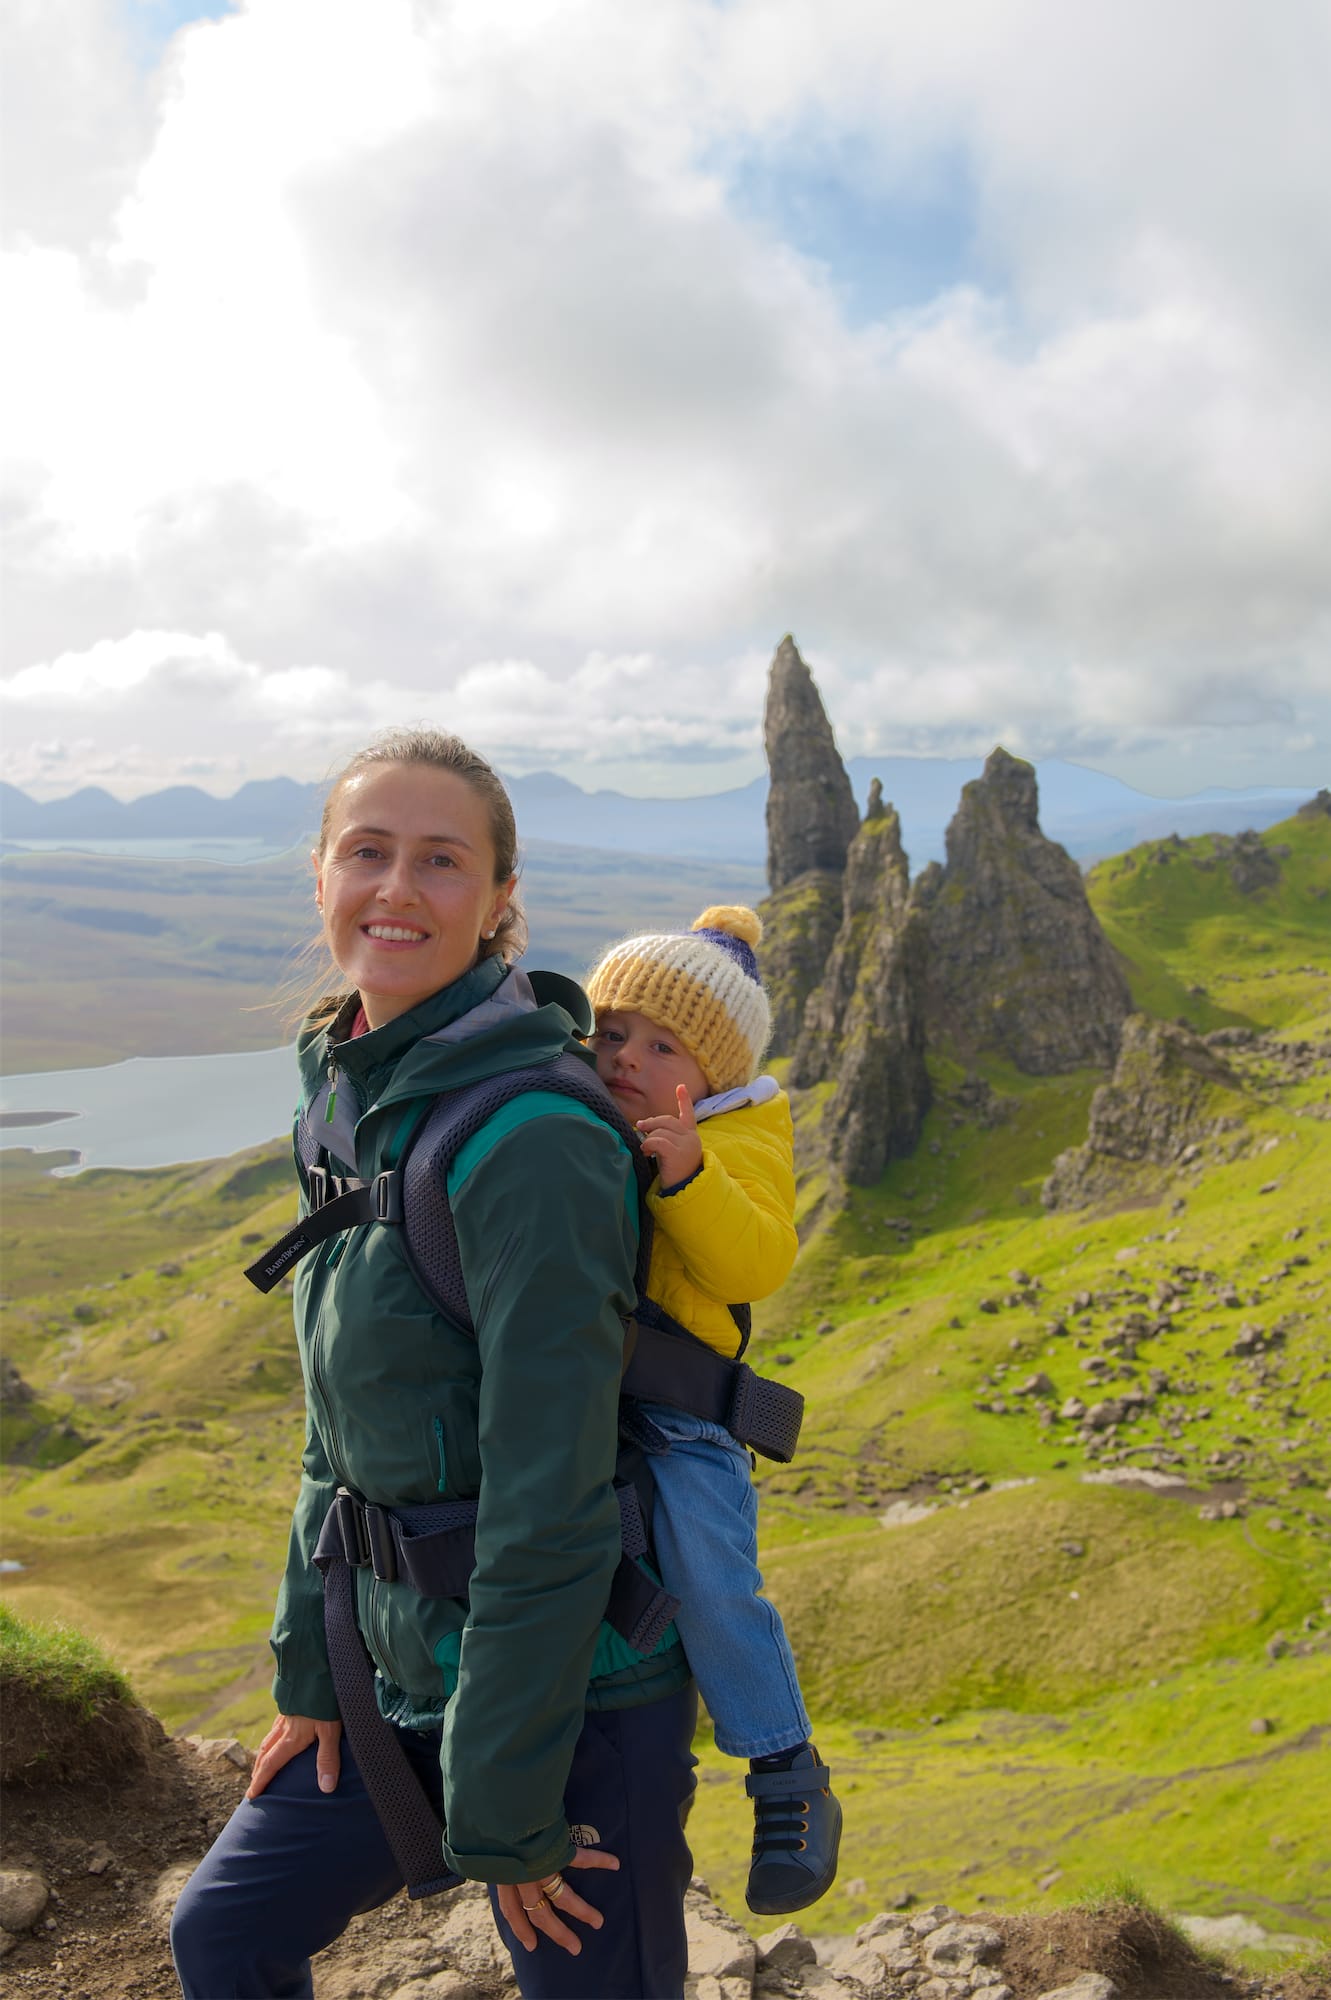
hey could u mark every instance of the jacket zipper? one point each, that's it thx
(330, 1109)
(439, 1447)
(321, 1384)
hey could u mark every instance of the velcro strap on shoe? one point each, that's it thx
(792, 1784)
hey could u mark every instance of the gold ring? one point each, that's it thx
(532, 1908)
(555, 1887)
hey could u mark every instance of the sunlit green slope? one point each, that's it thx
(1019, 1663)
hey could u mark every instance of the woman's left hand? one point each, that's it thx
(535, 1910)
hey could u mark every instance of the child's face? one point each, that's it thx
(641, 1064)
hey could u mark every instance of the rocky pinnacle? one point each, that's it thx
(1018, 962)
(864, 1026)
(811, 815)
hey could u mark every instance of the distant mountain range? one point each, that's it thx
(1089, 813)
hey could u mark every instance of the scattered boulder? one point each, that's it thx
(719, 1948)
(960, 1947)
(227, 1748)
(13, 1389)
(785, 1949)
(1250, 863)
(23, 1899)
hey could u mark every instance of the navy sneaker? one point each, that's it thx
(796, 1834)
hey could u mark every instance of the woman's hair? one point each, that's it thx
(438, 752)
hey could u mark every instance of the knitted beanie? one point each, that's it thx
(701, 984)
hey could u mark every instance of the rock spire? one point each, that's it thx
(811, 821)
(864, 1025)
(1018, 963)
(811, 815)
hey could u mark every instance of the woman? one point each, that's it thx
(518, 1707)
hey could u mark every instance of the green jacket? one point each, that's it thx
(405, 1408)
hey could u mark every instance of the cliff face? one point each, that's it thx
(1018, 963)
(864, 1024)
(1169, 1094)
(811, 821)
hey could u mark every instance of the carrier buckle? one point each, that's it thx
(351, 1528)
(379, 1536)
(318, 1178)
(386, 1197)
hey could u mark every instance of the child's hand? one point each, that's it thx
(673, 1142)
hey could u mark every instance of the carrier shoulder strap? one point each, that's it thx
(427, 1212)
(415, 1192)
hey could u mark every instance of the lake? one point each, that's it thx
(152, 1111)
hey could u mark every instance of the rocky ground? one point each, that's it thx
(91, 1869)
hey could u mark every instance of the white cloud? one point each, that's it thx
(429, 369)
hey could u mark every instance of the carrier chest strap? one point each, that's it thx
(335, 1205)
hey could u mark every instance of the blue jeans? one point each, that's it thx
(291, 1868)
(705, 1528)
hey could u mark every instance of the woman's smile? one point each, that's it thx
(394, 934)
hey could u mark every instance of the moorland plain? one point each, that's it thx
(1039, 1654)
(108, 957)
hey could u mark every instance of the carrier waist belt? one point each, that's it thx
(432, 1549)
(679, 1369)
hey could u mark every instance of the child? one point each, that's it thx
(681, 1025)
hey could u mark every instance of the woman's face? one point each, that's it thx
(406, 884)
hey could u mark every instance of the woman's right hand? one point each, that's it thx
(289, 1735)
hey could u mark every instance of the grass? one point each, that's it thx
(1194, 946)
(59, 1663)
(1163, 1784)
(1116, 1892)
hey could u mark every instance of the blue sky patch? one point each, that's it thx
(889, 243)
(151, 23)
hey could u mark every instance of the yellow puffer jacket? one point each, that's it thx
(728, 1236)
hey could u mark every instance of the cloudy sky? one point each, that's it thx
(532, 367)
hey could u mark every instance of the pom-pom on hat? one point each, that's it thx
(701, 984)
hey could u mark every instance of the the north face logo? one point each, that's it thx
(584, 1836)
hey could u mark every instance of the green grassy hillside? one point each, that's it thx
(1037, 1652)
(1197, 943)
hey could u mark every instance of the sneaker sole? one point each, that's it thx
(783, 1905)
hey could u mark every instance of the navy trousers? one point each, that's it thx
(292, 1867)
